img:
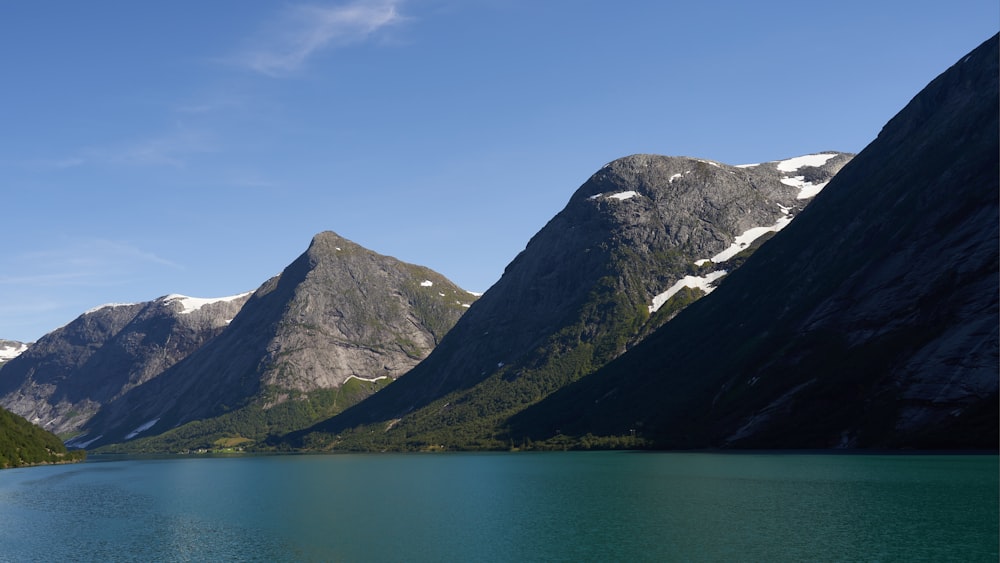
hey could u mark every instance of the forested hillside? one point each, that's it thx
(22, 443)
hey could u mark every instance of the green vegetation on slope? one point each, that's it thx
(247, 427)
(609, 319)
(22, 443)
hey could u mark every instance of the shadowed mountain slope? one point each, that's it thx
(65, 378)
(871, 321)
(642, 238)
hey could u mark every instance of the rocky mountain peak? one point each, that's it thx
(338, 317)
(587, 284)
(63, 380)
(871, 322)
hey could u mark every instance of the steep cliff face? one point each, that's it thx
(358, 314)
(871, 321)
(61, 381)
(640, 239)
(339, 323)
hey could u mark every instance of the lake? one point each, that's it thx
(566, 506)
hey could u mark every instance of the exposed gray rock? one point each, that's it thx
(68, 375)
(586, 286)
(872, 321)
(338, 312)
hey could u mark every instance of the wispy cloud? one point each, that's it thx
(45, 288)
(170, 149)
(304, 30)
(45, 163)
(173, 149)
(59, 163)
(91, 262)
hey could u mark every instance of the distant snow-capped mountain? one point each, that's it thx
(339, 323)
(65, 378)
(10, 349)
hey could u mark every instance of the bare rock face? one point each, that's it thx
(338, 313)
(642, 233)
(358, 314)
(871, 322)
(65, 378)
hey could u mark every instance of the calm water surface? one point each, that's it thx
(574, 506)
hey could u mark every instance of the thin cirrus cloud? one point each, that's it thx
(85, 262)
(45, 288)
(171, 149)
(306, 30)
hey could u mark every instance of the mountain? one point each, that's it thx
(10, 349)
(643, 237)
(870, 322)
(66, 377)
(339, 323)
(23, 443)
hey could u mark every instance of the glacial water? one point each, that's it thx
(573, 506)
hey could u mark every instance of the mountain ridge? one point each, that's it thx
(337, 324)
(585, 286)
(872, 321)
(63, 379)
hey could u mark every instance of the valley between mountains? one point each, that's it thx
(828, 300)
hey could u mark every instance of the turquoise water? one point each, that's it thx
(573, 506)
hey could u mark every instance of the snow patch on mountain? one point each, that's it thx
(9, 352)
(704, 283)
(619, 196)
(142, 428)
(793, 164)
(366, 379)
(747, 237)
(80, 443)
(192, 304)
(107, 306)
(806, 189)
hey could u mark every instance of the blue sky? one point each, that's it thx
(196, 147)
